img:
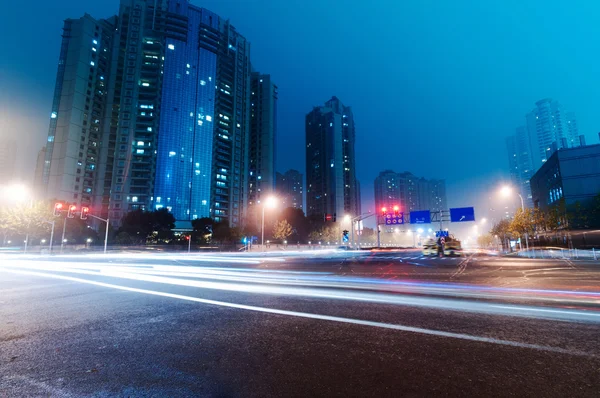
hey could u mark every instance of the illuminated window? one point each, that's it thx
(53, 115)
(92, 63)
(134, 199)
(140, 143)
(171, 47)
(149, 129)
(140, 151)
(95, 41)
(171, 154)
(208, 118)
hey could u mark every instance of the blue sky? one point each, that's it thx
(435, 86)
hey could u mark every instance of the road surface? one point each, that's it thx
(292, 324)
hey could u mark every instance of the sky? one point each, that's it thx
(435, 86)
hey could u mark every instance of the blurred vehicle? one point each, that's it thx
(430, 248)
(452, 247)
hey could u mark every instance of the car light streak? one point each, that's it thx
(404, 328)
(337, 291)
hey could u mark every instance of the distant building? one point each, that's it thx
(8, 159)
(520, 163)
(331, 186)
(572, 175)
(263, 130)
(409, 192)
(38, 177)
(290, 189)
(550, 127)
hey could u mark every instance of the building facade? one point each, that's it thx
(8, 159)
(162, 119)
(520, 163)
(290, 189)
(409, 192)
(331, 186)
(263, 130)
(38, 176)
(570, 175)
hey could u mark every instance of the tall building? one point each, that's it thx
(38, 177)
(290, 189)
(520, 163)
(409, 192)
(331, 186)
(152, 109)
(78, 110)
(550, 127)
(263, 129)
(8, 159)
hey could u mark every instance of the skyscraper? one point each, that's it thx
(331, 186)
(290, 189)
(263, 128)
(520, 163)
(8, 158)
(550, 128)
(162, 119)
(409, 192)
(38, 177)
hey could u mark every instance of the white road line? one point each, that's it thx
(404, 328)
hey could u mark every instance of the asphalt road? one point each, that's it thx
(318, 324)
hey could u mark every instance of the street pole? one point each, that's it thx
(262, 229)
(378, 235)
(106, 236)
(62, 241)
(523, 210)
(190, 244)
(52, 236)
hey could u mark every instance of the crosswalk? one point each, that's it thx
(434, 258)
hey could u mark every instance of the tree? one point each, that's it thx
(485, 241)
(522, 223)
(203, 229)
(144, 226)
(300, 224)
(368, 236)
(22, 219)
(282, 230)
(502, 230)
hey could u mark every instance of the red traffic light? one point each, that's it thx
(396, 208)
(84, 213)
(71, 211)
(328, 217)
(384, 210)
(57, 209)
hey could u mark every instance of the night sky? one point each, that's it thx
(435, 86)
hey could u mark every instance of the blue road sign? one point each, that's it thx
(391, 219)
(420, 217)
(441, 234)
(462, 214)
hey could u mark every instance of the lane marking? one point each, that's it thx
(404, 328)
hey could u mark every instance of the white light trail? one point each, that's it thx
(404, 328)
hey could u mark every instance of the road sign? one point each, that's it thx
(441, 234)
(462, 214)
(420, 217)
(392, 219)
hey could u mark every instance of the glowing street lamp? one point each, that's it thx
(506, 191)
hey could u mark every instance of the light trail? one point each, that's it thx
(404, 328)
(314, 289)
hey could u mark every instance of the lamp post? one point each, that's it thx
(269, 202)
(506, 191)
(20, 193)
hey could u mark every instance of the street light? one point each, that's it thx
(269, 202)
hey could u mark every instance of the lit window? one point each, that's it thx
(188, 66)
(53, 115)
(330, 124)
(331, 164)
(140, 151)
(93, 49)
(149, 129)
(171, 46)
(192, 114)
(208, 118)
(51, 138)
(92, 63)
(239, 125)
(171, 154)
(149, 42)
(95, 41)
(146, 84)
(202, 83)
(142, 113)
(140, 143)
(259, 177)
(134, 199)
(204, 203)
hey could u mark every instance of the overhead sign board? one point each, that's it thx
(462, 214)
(420, 217)
(392, 219)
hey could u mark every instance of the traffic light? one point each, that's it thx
(84, 213)
(57, 209)
(383, 211)
(345, 236)
(396, 210)
(334, 217)
(71, 212)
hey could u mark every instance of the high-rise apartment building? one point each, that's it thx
(263, 128)
(8, 159)
(331, 186)
(550, 127)
(520, 163)
(290, 189)
(38, 176)
(409, 192)
(152, 110)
